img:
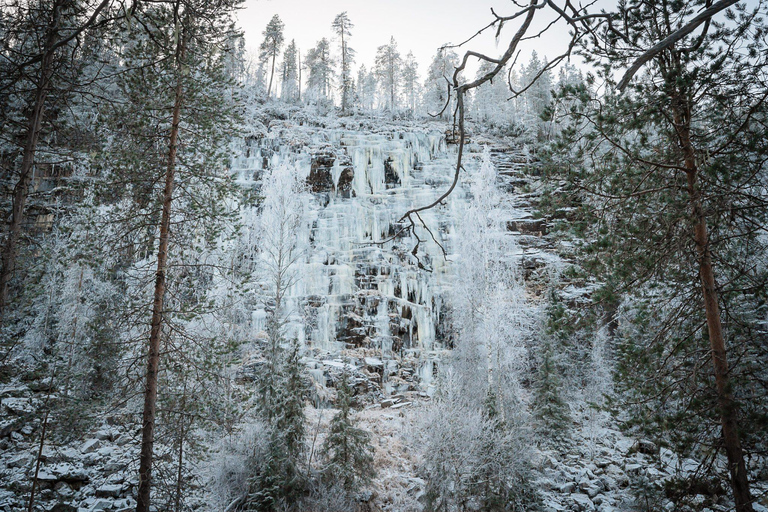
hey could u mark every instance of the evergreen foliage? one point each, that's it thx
(279, 480)
(388, 70)
(320, 65)
(270, 47)
(342, 27)
(665, 187)
(347, 448)
(550, 410)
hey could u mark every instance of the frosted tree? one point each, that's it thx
(279, 481)
(270, 47)
(169, 147)
(366, 88)
(489, 101)
(347, 448)
(280, 383)
(410, 80)
(290, 79)
(320, 65)
(474, 461)
(491, 312)
(44, 59)
(550, 411)
(569, 79)
(538, 96)
(280, 222)
(388, 70)
(342, 27)
(436, 91)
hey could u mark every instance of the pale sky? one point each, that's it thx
(417, 25)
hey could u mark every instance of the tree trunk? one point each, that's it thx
(298, 52)
(21, 191)
(180, 461)
(343, 72)
(726, 404)
(153, 358)
(272, 73)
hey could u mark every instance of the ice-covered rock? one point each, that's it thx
(91, 445)
(109, 491)
(582, 502)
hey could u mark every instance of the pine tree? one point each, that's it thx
(347, 448)
(667, 190)
(342, 27)
(411, 82)
(366, 88)
(437, 94)
(290, 81)
(176, 117)
(270, 47)
(320, 65)
(388, 71)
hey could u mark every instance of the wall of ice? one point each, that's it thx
(350, 289)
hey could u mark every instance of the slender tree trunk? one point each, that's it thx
(298, 52)
(392, 85)
(43, 433)
(34, 122)
(727, 406)
(153, 358)
(180, 461)
(272, 73)
(344, 84)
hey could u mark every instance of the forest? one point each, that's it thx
(285, 279)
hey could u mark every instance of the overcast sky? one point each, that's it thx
(420, 26)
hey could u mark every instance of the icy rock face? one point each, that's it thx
(358, 285)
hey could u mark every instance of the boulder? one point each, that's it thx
(582, 502)
(90, 445)
(109, 491)
(22, 460)
(646, 447)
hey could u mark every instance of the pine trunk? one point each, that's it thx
(727, 407)
(153, 358)
(21, 191)
(343, 73)
(298, 51)
(272, 73)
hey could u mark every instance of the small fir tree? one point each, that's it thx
(347, 447)
(550, 411)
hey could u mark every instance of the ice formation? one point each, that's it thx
(350, 288)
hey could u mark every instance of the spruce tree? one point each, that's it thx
(280, 480)
(437, 94)
(550, 411)
(411, 88)
(347, 448)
